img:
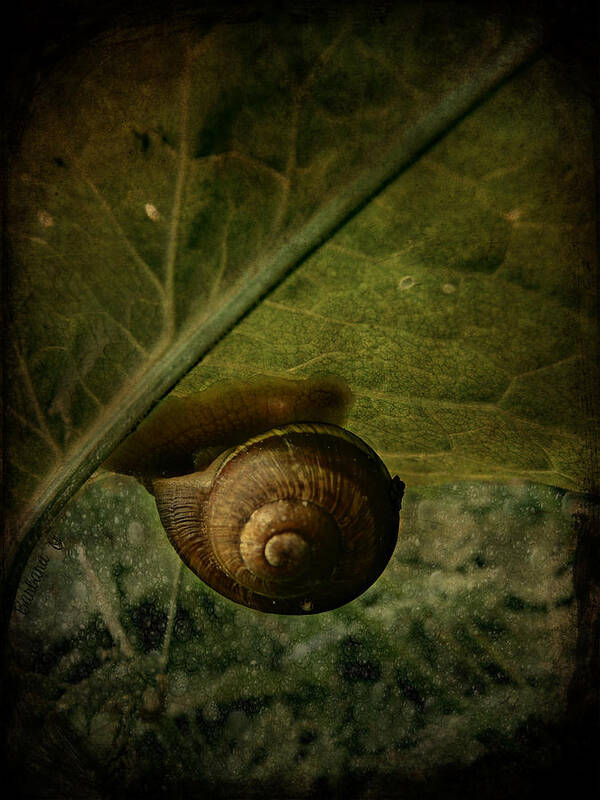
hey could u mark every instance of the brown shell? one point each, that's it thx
(298, 520)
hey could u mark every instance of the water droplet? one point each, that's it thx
(407, 282)
(135, 532)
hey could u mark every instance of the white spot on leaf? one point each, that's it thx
(46, 220)
(448, 288)
(514, 215)
(152, 212)
(407, 282)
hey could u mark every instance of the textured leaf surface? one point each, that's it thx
(132, 671)
(168, 177)
(457, 303)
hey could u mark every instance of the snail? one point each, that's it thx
(263, 494)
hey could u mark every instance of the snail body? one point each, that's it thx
(299, 518)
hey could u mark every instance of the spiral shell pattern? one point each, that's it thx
(297, 520)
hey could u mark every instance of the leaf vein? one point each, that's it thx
(131, 248)
(174, 223)
(42, 423)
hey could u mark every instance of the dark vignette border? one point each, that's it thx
(540, 759)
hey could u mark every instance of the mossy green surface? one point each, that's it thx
(465, 642)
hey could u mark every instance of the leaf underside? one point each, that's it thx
(464, 283)
(168, 178)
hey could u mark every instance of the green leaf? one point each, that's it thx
(456, 303)
(170, 176)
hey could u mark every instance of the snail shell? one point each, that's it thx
(297, 519)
